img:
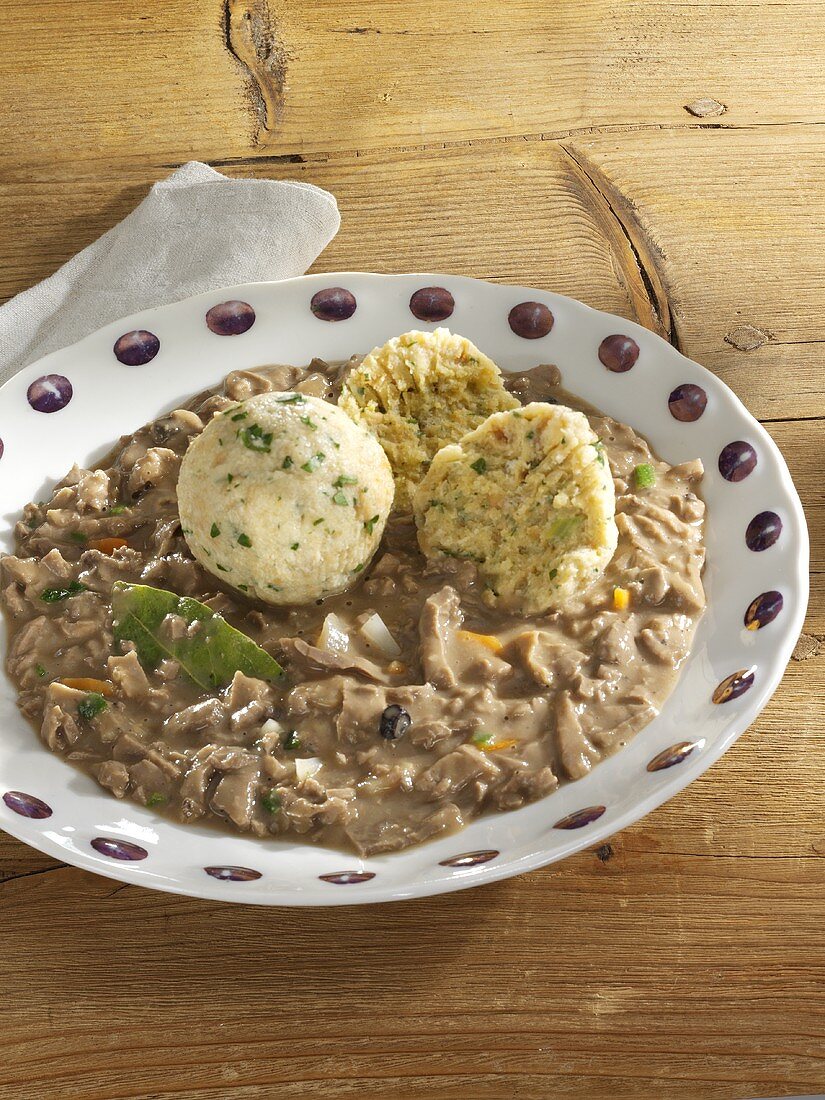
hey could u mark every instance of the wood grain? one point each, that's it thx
(545, 144)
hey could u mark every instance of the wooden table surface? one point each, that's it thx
(661, 160)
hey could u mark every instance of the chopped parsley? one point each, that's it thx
(553, 574)
(358, 568)
(340, 498)
(243, 587)
(295, 546)
(480, 465)
(117, 509)
(239, 416)
(292, 399)
(91, 705)
(599, 452)
(230, 478)
(244, 540)
(40, 670)
(644, 476)
(315, 522)
(214, 531)
(287, 462)
(254, 438)
(222, 568)
(271, 802)
(369, 525)
(343, 480)
(156, 799)
(313, 463)
(78, 536)
(482, 737)
(310, 423)
(52, 595)
(292, 740)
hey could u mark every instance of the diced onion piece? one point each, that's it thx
(375, 631)
(489, 640)
(306, 767)
(621, 599)
(334, 637)
(271, 726)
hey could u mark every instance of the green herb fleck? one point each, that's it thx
(254, 438)
(91, 705)
(244, 540)
(52, 595)
(117, 509)
(310, 423)
(230, 478)
(530, 435)
(313, 463)
(358, 568)
(40, 670)
(599, 452)
(644, 476)
(553, 574)
(222, 568)
(78, 536)
(482, 737)
(343, 480)
(243, 587)
(315, 522)
(156, 799)
(340, 498)
(287, 462)
(271, 802)
(369, 526)
(565, 526)
(214, 531)
(292, 740)
(292, 399)
(480, 465)
(239, 416)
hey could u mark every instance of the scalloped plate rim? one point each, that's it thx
(590, 836)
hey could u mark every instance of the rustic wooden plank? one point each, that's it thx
(531, 218)
(231, 78)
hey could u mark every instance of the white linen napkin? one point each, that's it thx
(195, 231)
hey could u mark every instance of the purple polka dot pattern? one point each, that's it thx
(734, 685)
(432, 303)
(580, 818)
(674, 755)
(618, 353)
(333, 304)
(49, 394)
(530, 320)
(233, 874)
(348, 878)
(26, 805)
(763, 610)
(737, 460)
(687, 402)
(136, 348)
(470, 859)
(763, 531)
(230, 318)
(118, 849)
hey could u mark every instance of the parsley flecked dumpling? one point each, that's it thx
(419, 392)
(284, 498)
(528, 496)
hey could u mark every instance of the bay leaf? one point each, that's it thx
(210, 657)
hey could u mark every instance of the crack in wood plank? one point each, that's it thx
(4, 879)
(636, 259)
(251, 38)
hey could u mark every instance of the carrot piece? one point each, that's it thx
(489, 640)
(494, 746)
(106, 546)
(89, 683)
(621, 599)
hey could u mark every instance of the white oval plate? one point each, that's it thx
(66, 815)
